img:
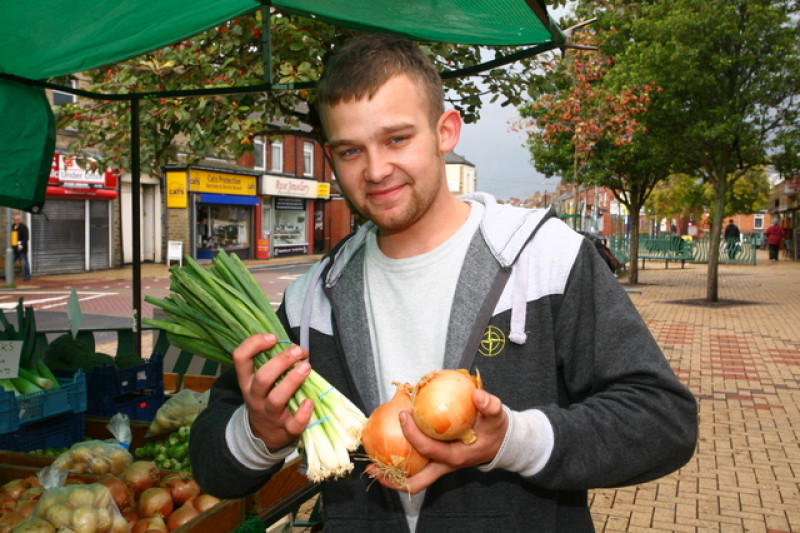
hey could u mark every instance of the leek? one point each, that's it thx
(210, 311)
(25, 386)
(8, 386)
(39, 381)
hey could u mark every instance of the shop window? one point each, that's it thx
(259, 155)
(308, 158)
(276, 156)
(289, 234)
(222, 227)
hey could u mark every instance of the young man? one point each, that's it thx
(577, 393)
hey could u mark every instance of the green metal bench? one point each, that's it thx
(666, 249)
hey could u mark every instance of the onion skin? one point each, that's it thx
(120, 492)
(181, 515)
(141, 475)
(182, 487)
(204, 502)
(154, 501)
(154, 523)
(384, 441)
(443, 405)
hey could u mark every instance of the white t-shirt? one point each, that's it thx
(408, 308)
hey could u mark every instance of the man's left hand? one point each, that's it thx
(446, 456)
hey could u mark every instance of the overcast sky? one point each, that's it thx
(502, 163)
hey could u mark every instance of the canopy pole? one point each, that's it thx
(136, 228)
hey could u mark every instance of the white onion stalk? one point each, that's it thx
(211, 311)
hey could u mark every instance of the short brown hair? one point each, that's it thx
(364, 64)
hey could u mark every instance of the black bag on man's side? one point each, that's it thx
(604, 251)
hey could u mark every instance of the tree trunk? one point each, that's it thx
(712, 278)
(633, 275)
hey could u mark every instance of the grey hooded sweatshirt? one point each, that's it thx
(550, 328)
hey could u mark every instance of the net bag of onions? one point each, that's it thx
(101, 456)
(82, 508)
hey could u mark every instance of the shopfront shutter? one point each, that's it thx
(99, 236)
(57, 239)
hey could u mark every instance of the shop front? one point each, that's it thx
(219, 207)
(285, 227)
(75, 234)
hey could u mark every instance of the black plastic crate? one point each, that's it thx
(106, 382)
(139, 405)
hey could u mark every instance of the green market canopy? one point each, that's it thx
(42, 39)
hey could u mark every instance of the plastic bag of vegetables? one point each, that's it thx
(101, 456)
(178, 411)
(80, 508)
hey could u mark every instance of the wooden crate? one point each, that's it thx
(173, 382)
(285, 486)
(227, 515)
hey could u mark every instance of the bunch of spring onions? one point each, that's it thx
(212, 310)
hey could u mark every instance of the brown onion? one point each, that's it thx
(204, 502)
(141, 475)
(122, 494)
(10, 520)
(181, 515)
(443, 405)
(153, 523)
(25, 506)
(15, 487)
(182, 487)
(384, 441)
(130, 516)
(153, 501)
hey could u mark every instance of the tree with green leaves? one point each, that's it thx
(231, 55)
(590, 131)
(730, 92)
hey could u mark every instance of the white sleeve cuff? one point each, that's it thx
(527, 445)
(248, 449)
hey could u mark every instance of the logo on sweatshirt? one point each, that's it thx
(493, 342)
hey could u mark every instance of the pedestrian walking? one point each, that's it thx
(577, 393)
(731, 237)
(774, 235)
(19, 242)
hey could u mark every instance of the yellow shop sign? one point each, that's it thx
(221, 182)
(176, 189)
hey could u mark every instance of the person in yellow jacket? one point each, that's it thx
(19, 242)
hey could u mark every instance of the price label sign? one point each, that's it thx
(9, 358)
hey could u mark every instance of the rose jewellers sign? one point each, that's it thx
(280, 186)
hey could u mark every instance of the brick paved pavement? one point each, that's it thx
(741, 358)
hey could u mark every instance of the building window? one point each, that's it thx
(259, 155)
(758, 222)
(276, 156)
(61, 98)
(308, 158)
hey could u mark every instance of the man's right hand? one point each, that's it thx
(270, 419)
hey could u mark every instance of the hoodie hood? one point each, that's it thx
(505, 228)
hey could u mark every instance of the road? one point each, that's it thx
(109, 303)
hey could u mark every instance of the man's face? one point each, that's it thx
(387, 156)
(17, 219)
